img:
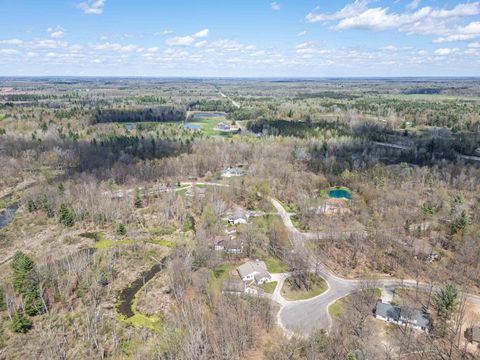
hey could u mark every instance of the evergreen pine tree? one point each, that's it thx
(66, 215)
(20, 323)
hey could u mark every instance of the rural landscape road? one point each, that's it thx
(302, 317)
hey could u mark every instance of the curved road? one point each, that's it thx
(304, 316)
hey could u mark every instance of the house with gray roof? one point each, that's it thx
(239, 216)
(232, 172)
(254, 271)
(405, 316)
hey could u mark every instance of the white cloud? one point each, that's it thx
(227, 45)
(413, 5)
(187, 40)
(445, 51)
(275, 6)
(115, 47)
(45, 44)
(390, 48)
(462, 33)
(94, 7)
(180, 41)
(201, 33)
(9, 51)
(302, 33)
(11, 42)
(424, 21)
(163, 33)
(349, 10)
(201, 44)
(56, 32)
(152, 49)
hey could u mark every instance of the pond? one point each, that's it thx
(192, 126)
(7, 215)
(339, 193)
(202, 115)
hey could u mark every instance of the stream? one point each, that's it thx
(7, 215)
(125, 298)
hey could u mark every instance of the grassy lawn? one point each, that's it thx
(222, 270)
(208, 124)
(161, 242)
(336, 308)
(106, 243)
(318, 286)
(269, 287)
(275, 266)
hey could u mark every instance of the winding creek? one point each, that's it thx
(127, 295)
(7, 215)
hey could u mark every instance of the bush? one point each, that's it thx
(20, 323)
(66, 216)
(121, 229)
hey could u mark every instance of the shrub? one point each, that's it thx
(66, 216)
(121, 229)
(20, 323)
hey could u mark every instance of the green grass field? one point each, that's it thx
(275, 266)
(269, 287)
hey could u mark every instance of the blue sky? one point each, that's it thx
(240, 38)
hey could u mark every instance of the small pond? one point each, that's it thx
(192, 126)
(7, 215)
(340, 193)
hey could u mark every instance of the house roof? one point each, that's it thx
(387, 311)
(262, 274)
(219, 239)
(252, 267)
(239, 213)
(406, 315)
(233, 244)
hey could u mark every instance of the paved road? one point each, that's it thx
(304, 316)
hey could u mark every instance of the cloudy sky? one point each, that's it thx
(240, 38)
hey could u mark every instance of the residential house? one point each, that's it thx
(233, 246)
(472, 334)
(239, 216)
(254, 271)
(414, 318)
(218, 242)
(334, 206)
(226, 243)
(232, 171)
(223, 127)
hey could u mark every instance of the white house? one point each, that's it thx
(254, 271)
(239, 216)
(232, 172)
